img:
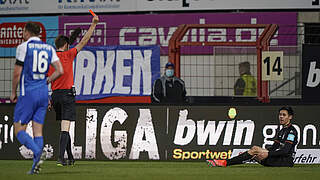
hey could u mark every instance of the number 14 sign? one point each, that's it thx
(272, 65)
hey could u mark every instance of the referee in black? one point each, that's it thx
(280, 154)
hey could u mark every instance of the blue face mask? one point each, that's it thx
(169, 72)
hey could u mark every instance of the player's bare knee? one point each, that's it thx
(19, 127)
(255, 148)
(250, 152)
(37, 129)
(16, 131)
(65, 125)
(252, 148)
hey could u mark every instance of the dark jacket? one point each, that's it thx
(168, 90)
(285, 142)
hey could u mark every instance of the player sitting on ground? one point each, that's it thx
(281, 153)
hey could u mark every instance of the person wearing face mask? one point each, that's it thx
(280, 154)
(168, 88)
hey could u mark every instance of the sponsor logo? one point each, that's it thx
(188, 129)
(11, 34)
(184, 3)
(144, 139)
(6, 132)
(108, 132)
(87, 1)
(6, 138)
(313, 75)
(88, 4)
(135, 35)
(180, 154)
(290, 137)
(305, 133)
(14, 2)
(99, 36)
(307, 156)
(303, 156)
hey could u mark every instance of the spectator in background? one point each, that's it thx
(168, 88)
(246, 85)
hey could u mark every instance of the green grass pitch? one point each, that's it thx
(153, 170)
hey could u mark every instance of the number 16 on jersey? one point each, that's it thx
(40, 64)
(272, 65)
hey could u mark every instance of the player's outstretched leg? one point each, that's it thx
(233, 161)
(239, 159)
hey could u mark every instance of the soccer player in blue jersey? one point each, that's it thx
(33, 58)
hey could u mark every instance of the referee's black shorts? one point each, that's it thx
(279, 161)
(64, 104)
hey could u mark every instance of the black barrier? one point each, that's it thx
(167, 132)
(311, 73)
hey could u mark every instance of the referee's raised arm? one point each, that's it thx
(88, 35)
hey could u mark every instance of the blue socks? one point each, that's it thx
(36, 146)
(39, 141)
(26, 140)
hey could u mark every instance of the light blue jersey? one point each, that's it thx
(36, 56)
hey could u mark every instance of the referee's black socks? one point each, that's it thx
(69, 152)
(64, 138)
(239, 159)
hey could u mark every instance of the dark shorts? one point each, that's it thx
(277, 162)
(64, 104)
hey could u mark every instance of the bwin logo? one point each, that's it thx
(314, 75)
